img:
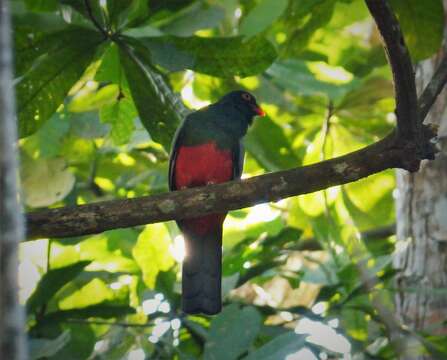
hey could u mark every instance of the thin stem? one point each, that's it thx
(433, 88)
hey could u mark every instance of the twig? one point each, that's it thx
(433, 88)
(326, 127)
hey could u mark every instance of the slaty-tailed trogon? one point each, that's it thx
(207, 149)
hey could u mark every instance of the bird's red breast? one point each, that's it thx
(199, 165)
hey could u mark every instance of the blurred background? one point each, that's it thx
(97, 111)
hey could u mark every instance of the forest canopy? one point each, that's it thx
(101, 86)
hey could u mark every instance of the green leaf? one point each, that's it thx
(41, 5)
(119, 343)
(44, 86)
(110, 69)
(262, 16)
(362, 98)
(232, 332)
(200, 15)
(45, 181)
(104, 310)
(86, 125)
(86, 100)
(279, 347)
(151, 252)
(422, 23)
(370, 201)
(295, 75)
(287, 235)
(89, 290)
(43, 348)
(304, 18)
(270, 147)
(51, 282)
(221, 57)
(95, 7)
(117, 11)
(111, 251)
(121, 116)
(48, 140)
(159, 109)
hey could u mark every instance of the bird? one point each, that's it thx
(207, 149)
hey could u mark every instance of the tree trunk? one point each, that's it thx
(421, 205)
(11, 222)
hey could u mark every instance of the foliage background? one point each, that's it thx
(97, 111)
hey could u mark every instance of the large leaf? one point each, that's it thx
(160, 110)
(121, 115)
(41, 5)
(94, 9)
(152, 252)
(296, 76)
(48, 140)
(44, 86)
(200, 15)
(304, 18)
(105, 310)
(262, 16)
(221, 57)
(94, 99)
(89, 290)
(45, 181)
(232, 333)
(279, 347)
(51, 282)
(422, 23)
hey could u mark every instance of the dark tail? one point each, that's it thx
(202, 272)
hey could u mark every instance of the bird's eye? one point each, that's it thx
(246, 96)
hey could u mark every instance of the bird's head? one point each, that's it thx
(243, 102)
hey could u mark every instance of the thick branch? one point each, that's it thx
(101, 216)
(408, 124)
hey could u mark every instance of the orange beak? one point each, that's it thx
(259, 111)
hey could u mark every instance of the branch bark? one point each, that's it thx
(11, 221)
(408, 124)
(404, 148)
(219, 198)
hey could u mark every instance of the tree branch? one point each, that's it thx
(408, 124)
(400, 149)
(219, 198)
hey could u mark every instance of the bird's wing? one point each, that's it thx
(173, 155)
(238, 160)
